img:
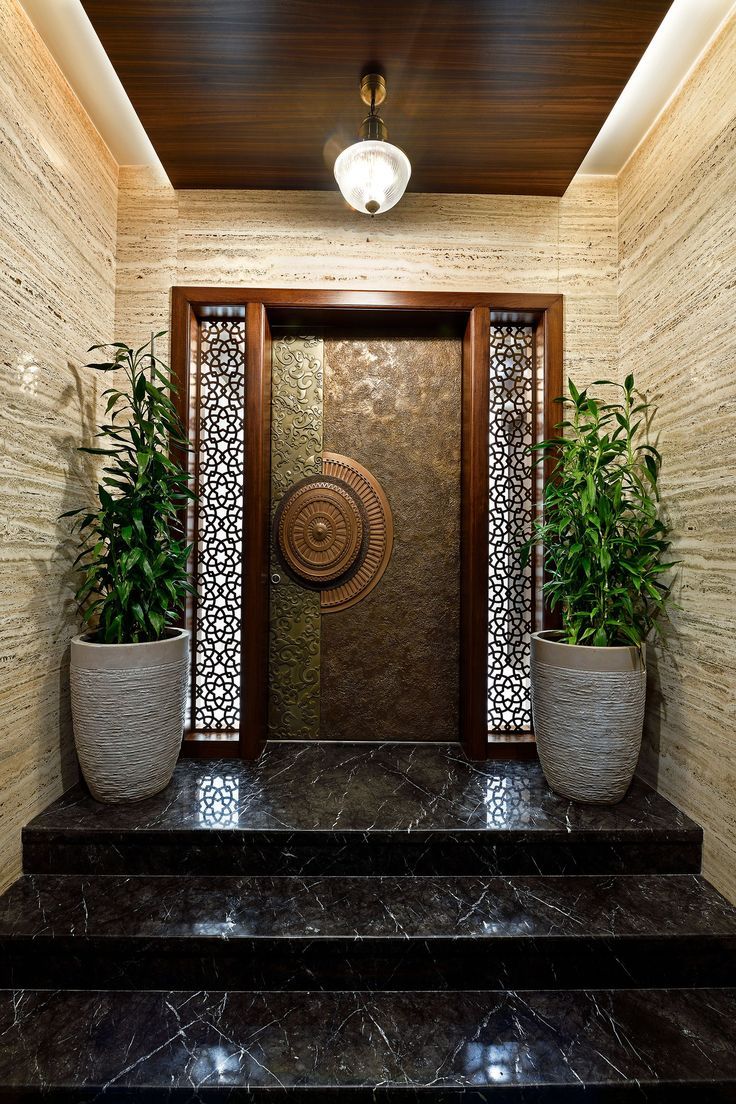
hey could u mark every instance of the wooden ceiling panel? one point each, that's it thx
(497, 96)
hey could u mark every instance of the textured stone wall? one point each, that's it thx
(677, 242)
(428, 242)
(58, 195)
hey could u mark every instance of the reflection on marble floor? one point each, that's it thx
(508, 799)
(366, 788)
(218, 800)
(664, 1045)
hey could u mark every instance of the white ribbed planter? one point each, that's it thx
(588, 713)
(128, 703)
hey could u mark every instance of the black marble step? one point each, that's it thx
(367, 933)
(338, 809)
(663, 1045)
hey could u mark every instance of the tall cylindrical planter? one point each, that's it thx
(588, 712)
(128, 704)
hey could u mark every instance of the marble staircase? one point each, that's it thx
(365, 923)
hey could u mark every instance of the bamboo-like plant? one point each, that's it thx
(602, 540)
(133, 558)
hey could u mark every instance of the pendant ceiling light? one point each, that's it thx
(372, 174)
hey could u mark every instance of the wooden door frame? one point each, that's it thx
(258, 306)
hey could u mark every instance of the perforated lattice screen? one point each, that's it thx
(221, 444)
(511, 496)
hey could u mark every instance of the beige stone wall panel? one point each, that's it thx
(677, 302)
(58, 210)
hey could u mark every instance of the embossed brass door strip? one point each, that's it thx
(297, 399)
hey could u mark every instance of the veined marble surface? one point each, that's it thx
(373, 933)
(365, 988)
(58, 195)
(369, 809)
(677, 243)
(367, 788)
(647, 1045)
(170, 907)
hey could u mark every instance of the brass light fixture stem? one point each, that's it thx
(373, 90)
(373, 94)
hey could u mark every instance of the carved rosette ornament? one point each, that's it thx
(334, 532)
(320, 530)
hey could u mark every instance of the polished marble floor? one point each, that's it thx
(383, 923)
(342, 809)
(371, 933)
(366, 788)
(666, 1046)
(377, 907)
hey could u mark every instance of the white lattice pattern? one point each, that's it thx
(510, 496)
(220, 526)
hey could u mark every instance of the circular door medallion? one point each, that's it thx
(335, 532)
(319, 530)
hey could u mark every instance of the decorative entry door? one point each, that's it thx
(362, 493)
(365, 500)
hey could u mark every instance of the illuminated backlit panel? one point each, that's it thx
(512, 429)
(220, 459)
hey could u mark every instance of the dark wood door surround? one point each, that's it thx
(469, 315)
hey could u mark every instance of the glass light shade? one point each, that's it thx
(372, 176)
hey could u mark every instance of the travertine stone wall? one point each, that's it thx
(677, 250)
(145, 256)
(588, 276)
(58, 195)
(428, 242)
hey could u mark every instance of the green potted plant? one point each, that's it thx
(604, 549)
(129, 669)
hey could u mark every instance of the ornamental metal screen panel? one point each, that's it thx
(513, 406)
(219, 391)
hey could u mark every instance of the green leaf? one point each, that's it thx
(132, 558)
(157, 621)
(651, 468)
